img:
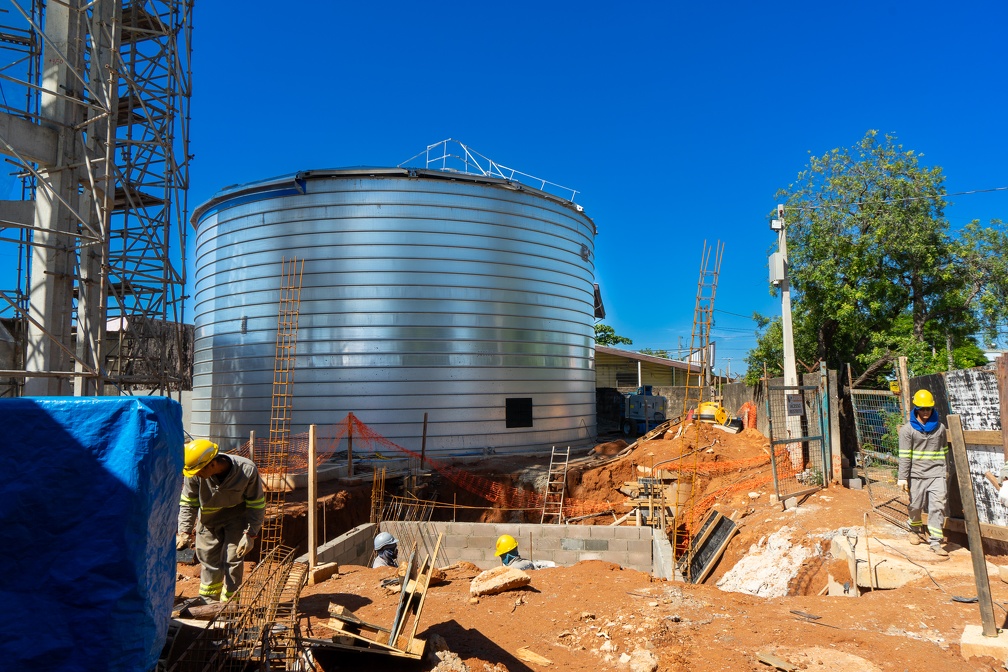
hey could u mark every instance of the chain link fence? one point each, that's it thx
(877, 418)
(797, 438)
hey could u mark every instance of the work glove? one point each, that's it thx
(182, 541)
(1003, 493)
(245, 545)
(903, 485)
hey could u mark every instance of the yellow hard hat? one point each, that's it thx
(923, 399)
(505, 543)
(198, 454)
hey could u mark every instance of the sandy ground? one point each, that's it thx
(596, 616)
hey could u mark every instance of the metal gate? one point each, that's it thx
(877, 417)
(799, 430)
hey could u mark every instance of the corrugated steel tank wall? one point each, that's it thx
(422, 292)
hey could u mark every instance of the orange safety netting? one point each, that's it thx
(366, 443)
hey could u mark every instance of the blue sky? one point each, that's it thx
(676, 122)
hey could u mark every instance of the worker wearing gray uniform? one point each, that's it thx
(222, 496)
(923, 454)
(387, 549)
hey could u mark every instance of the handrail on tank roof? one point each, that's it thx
(471, 162)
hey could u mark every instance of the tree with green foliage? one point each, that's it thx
(876, 271)
(606, 335)
(664, 354)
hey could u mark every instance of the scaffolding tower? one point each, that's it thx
(94, 122)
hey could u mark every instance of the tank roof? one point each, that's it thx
(294, 184)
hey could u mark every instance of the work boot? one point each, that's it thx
(916, 539)
(938, 550)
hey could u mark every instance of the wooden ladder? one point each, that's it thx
(555, 484)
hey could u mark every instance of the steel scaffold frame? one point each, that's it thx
(101, 146)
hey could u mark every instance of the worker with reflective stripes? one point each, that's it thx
(222, 496)
(923, 456)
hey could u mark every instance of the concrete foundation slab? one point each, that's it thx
(973, 643)
(896, 562)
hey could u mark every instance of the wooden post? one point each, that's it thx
(349, 445)
(312, 499)
(1002, 378)
(972, 526)
(252, 445)
(904, 383)
(423, 442)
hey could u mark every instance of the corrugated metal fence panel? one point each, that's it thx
(418, 295)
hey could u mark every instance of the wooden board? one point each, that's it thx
(707, 546)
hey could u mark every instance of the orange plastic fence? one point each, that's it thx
(369, 444)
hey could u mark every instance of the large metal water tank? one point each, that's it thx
(469, 298)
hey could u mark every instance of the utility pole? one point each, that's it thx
(790, 372)
(779, 277)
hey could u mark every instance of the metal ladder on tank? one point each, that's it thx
(273, 461)
(556, 482)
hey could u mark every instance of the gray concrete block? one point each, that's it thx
(577, 531)
(566, 558)
(641, 561)
(554, 531)
(473, 555)
(631, 532)
(455, 541)
(572, 544)
(460, 529)
(619, 546)
(600, 532)
(593, 556)
(596, 544)
(853, 483)
(640, 546)
(545, 544)
(487, 543)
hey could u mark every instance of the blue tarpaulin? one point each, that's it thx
(89, 491)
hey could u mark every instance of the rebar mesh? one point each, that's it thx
(257, 627)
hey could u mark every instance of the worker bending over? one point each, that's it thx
(222, 496)
(507, 551)
(923, 452)
(387, 548)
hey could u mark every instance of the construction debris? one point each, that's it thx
(498, 580)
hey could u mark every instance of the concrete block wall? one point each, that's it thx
(639, 548)
(353, 547)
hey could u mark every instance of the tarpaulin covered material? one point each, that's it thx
(89, 491)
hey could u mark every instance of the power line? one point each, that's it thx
(726, 312)
(904, 199)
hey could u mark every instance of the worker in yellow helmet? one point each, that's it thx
(222, 496)
(507, 551)
(923, 456)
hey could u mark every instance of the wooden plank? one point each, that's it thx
(981, 437)
(987, 531)
(715, 547)
(401, 608)
(707, 547)
(972, 527)
(426, 586)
